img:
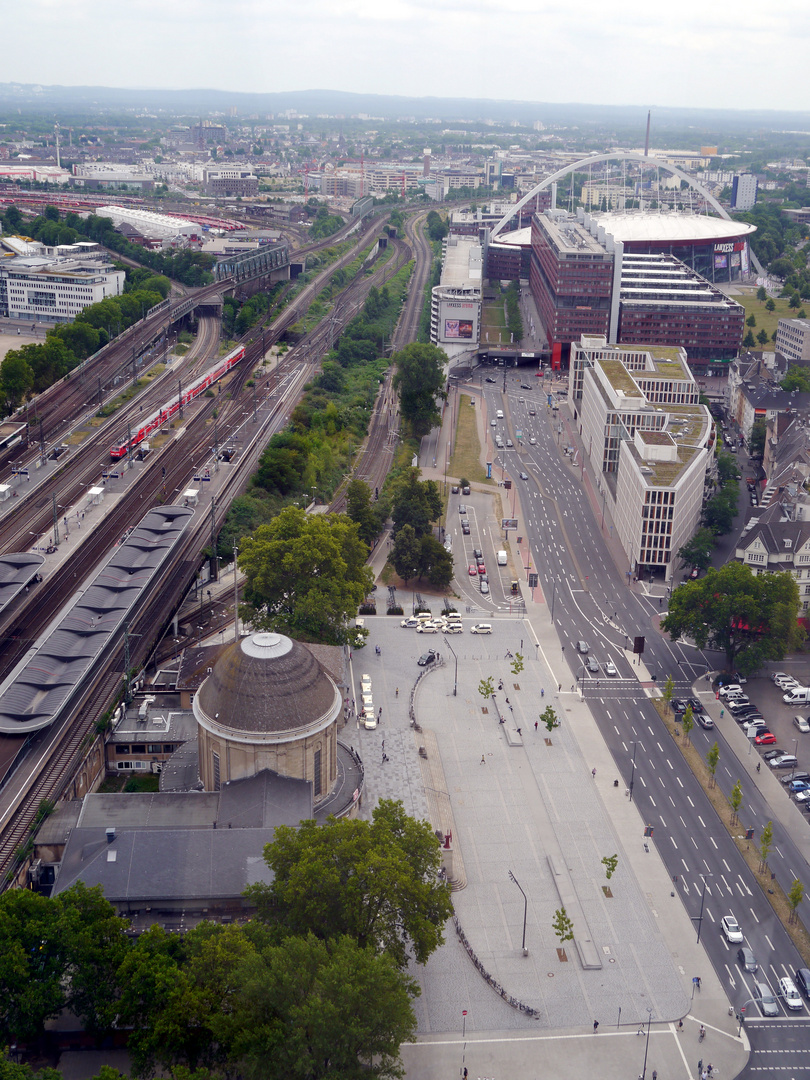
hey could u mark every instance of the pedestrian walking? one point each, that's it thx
(709, 1069)
(593, 773)
(595, 1026)
(519, 731)
(680, 1026)
(483, 760)
(700, 1067)
(535, 725)
(697, 981)
(655, 1075)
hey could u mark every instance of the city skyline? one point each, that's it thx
(690, 56)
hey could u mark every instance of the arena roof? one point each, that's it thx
(641, 226)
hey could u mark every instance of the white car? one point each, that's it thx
(731, 928)
(730, 690)
(610, 668)
(427, 628)
(532, 441)
(481, 628)
(410, 622)
(453, 628)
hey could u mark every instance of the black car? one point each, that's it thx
(697, 706)
(802, 980)
(426, 658)
(769, 754)
(746, 958)
(525, 386)
(454, 489)
(465, 528)
(678, 706)
(490, 379)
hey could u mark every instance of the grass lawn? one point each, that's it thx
(766, 320)
(493, 322)
(466, 457)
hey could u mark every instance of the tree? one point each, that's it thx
(699, 550)
(668, 691)
(517, 664)
(486, 688)
(720, 511)
(419, 379)
(16, 378)
(751, 321)
(175, 990)
(406, 553)
(756, 440)
(735, 799)
(796, 379)
(32, 965)
(749, 341)
(765, 845)
(549, 718)
(377, 881)
(308, 1009)
(795, 897)
(415, 502)
(750, 618)
(762, 296)
(795, 301)
(361, 512)
(687, 723)
(770, 305)
(712, 758)
(562, 925)
(306, 575)
(610, 862)
(762, 337)
(94, 942)
(727, 469)
(435, 563)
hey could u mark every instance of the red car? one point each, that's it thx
(482, 568)
(473, 571)
(765, 738)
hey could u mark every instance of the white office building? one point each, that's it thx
(38, 288)
(649, 442)
(793, 339)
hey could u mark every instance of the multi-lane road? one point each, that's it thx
(595, 600)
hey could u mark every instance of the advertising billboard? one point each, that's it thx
(458, 329)
(458, 321)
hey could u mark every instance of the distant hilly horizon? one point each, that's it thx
(37, 98)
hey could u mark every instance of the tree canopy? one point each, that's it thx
(419, 379)
(415, 502)
(698, 551)
(750, 618)
(376, 881)
(306, 575)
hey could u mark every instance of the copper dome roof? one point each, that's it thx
(266, 683)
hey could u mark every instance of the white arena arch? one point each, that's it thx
(638, 159)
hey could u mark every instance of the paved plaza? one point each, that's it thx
(533, 807)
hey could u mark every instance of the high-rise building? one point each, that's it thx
(744, 191)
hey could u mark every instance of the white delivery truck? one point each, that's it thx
(799, 695)
(501, 558)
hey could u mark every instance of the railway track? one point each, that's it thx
(60, 762)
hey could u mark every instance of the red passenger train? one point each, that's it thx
(165, 413)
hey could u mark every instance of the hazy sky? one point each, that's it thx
(713, 53)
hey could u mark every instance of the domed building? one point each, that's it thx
(268, 704)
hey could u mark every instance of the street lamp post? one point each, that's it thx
(699, 919)
(525, 905)
(647, 1044)
(455, 677)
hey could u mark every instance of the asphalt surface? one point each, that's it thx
(586, 591)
